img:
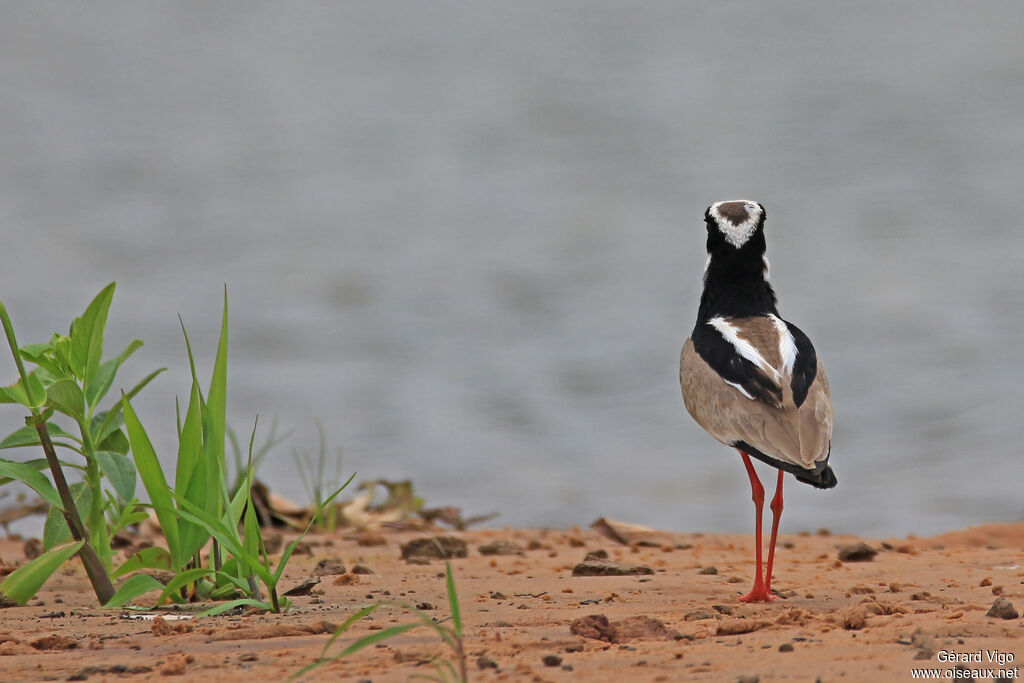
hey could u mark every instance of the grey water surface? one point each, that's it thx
(468, 237)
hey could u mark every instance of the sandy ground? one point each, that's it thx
(909, 606)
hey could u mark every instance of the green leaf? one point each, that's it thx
(227, 537)
(32, 477)
(34, 353)
(232, 604)
(87, 335)
(67, 398)
(51, 357)
(39, 464)
(116, 441)
(112, 418)
(147, 558)
(28, 436)
(55, 529)
(173, 588)
(100, 384)
(33, 397)
(120, 470)
(156, 485)
(133, 587)
(25, 581)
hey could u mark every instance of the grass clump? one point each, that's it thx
(313, 472)
(71, 380)
(195, 510)
(199, 508)
(451, 669)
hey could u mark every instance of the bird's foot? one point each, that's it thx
(759, 593)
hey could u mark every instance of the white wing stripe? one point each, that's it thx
(745, 348)
(740, 388)
(787, 345)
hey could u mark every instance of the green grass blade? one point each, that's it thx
(361, 613)
(173, 588)
(227, 537)
(190, 477)
(453, 599)
(291, 546)
(25, 581)
(377, 637)
(156, 485)
(132, 588)
(444, 668)
(217, 396)
(232, 604)
(360, 644)
(190, 446)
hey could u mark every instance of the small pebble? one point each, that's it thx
(786, 647)
(699, 614)
(708, 570)
(329, 566)
(608, 568)
(486, 663)
(857, 552)
(1002, 609)
(501, 548)
(552, 660)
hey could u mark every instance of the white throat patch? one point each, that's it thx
(737, 234)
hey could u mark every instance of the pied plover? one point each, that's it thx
(751, 379)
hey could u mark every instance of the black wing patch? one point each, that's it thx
(734, 368)
(805, 369)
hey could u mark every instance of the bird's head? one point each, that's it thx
(734, 224)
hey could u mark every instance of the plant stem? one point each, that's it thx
(461, 655)
(94, 567)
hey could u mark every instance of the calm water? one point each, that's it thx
(469, 238)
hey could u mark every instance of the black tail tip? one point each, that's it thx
(825, 479)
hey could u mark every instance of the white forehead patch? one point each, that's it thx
(736, 234)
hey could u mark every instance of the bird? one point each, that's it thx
(752, 380)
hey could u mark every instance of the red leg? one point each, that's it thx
(760, 592)
(776, 506)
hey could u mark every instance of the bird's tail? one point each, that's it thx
(823, 478)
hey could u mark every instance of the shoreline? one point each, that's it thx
(528, 617)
